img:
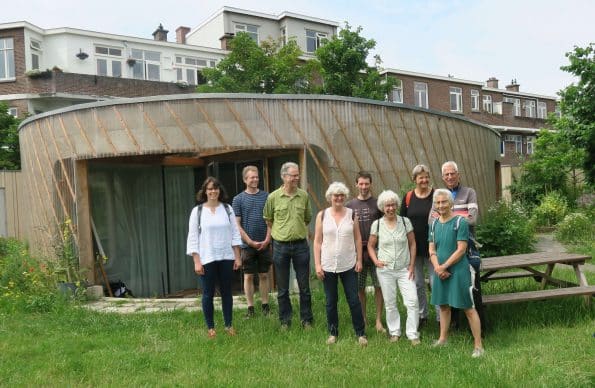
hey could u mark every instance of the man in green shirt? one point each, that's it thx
(288, 212)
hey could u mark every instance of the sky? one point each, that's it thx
(524, 40)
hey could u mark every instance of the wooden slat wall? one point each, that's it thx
(12, 183)
(340, 135)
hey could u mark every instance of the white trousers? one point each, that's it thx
(389, 279)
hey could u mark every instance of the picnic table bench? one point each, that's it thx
(492, 267)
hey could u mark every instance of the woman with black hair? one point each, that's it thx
(214, 244)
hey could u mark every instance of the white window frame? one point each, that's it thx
(144, 64)
(487, 103)
(475, 100)
(187, 68)
(530, 108)
(7, 59)
(36, 51)
(397, 92)
(250, 29)
(13, 112)
(530, 144)
(315, 37)
(541, 110)
(112, 58)
(518, 142)
(516, 105)
(420, 94)
(283, 31)
(456, 99)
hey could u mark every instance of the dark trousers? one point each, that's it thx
(221, 273)
(349, 280)
(284, 255)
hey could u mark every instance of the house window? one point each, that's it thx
(314, 40)
(456, 99)
(109, 61)
(397, 93)
(249, 29)
(7, 58)
(420, 93)
(13, 112)
(502, 147)
(147, 65)
(474, 100)
(517, 140)
(516, 104)
(530, 144)
(187, 68)
(487, 103)
(541, 110)
(530, 108)
(35, 54)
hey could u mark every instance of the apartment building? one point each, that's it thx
(518, 116)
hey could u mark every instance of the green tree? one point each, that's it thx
(270, 68)
(10, 157)
(344, 68)
(577, 106)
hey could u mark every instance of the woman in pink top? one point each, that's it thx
(338, 254)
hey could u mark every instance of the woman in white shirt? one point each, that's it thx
(395, 265)
(338, 255)
(214, 244)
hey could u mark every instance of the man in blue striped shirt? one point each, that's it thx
(256, 237)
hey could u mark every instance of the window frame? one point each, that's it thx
(36, 53)
(530, 108)
(111, 58)
(245, 27)
(143, 66)
(397, 87)
(183, 67)
(8, 59)
(516, 104)
(419, 93)
(457, 93)
(518, 142)
(531, 144)
(487, 103)
(541, 110)
(14, 112)
(318, 38)
(474, 100)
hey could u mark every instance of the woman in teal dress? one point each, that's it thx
(448, 253)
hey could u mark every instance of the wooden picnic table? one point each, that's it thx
(492, 267)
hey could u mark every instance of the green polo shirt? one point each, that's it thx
(288, 215)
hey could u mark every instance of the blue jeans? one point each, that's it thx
(217, 272)
(349, 280)
(297, 252)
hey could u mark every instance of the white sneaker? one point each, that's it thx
(477, 352)
(363, 341)
(331, 340)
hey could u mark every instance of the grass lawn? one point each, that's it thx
(549, 343)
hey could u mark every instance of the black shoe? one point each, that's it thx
(266, 309)
(250, 313)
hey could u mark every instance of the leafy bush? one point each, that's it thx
(505, 230)
(576, 228)
(25, 283)
(551, 210)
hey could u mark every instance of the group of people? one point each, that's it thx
(389, 239)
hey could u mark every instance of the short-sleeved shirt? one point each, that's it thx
(393, 245)
(367, 212)
(289, 215)
(455, 290)
(249, 208)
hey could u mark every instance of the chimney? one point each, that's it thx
(160, 34)
(225, 39)
(513, 87)
(181, 33)
(492, 82)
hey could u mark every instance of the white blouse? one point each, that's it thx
(338, 252)
(219, 233)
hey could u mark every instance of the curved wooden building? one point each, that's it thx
(125, 172)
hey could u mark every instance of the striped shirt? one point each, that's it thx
(249, 208)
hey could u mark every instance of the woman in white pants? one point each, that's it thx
(395, 265)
